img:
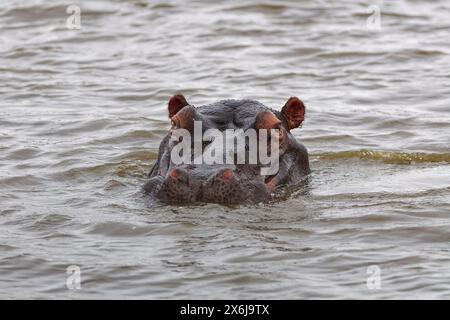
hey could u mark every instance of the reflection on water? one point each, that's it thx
(83, 111)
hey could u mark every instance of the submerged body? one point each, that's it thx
(236, 182)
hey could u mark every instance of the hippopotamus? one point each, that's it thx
(232, 182)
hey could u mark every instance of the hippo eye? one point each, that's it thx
(277, 126)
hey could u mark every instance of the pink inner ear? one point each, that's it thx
(176, 103)
(294, 111)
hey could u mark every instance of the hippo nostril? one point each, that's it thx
(175, 173)
(178, 176)
(226, 175)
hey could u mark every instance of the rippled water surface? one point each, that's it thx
(82, 113)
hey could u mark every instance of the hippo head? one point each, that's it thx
(230, 152)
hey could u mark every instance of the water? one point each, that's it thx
(83, 111)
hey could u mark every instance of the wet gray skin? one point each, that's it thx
(229, 183)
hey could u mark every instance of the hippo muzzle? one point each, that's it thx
(227, 185)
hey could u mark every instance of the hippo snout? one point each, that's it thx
(179, 186)
(222, 187)
(225, 185)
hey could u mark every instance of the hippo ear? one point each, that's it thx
(294, 112)
(176, 103)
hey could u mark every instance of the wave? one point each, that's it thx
(390, 157)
